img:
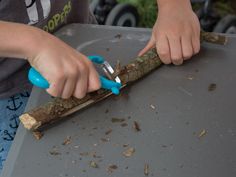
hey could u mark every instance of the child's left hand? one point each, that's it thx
(176, 33)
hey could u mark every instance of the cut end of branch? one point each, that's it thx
(29, 122)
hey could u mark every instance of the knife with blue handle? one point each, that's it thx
(38, 80)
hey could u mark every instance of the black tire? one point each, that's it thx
(123, 15)
(226, 25)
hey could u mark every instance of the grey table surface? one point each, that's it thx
(172, 106)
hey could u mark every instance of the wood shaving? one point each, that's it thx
(152, 106)
(211, 87)
(105, 139)
(108, 132)
(111, 168)
(67, 140)
(125, 145)
(117, 120)
(129, 152)
(93, 164)
(38, 135)
(146, 169)
(106, 111)
(55, 152)
(190, 78)
(123, 124)
(202, 133)
(136, 126)
(76, 146)
(84, 153)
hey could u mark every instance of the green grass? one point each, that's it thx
(148, 10)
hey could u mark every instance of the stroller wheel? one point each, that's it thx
(226, 25)
(93, 5)
(123, 15)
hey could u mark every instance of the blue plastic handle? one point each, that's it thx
(38, 80)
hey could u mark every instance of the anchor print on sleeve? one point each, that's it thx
(14, 121)
(15, 104)
(8, 136)
(25, 95)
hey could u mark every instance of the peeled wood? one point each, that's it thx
(59, 108)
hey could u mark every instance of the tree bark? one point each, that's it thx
(59, 108)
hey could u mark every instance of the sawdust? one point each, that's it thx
(211, 87)
(136, 126)
(202, 133)
(117, 120)
(67, 140)
(129, 152)
(111, 168)
(108, 131)
(124, 125)
(93, 164)
(146, 169)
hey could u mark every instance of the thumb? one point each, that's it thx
(149, 45)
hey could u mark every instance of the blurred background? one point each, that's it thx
(214, 15)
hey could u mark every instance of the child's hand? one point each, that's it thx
(176, 33)
(68, 71)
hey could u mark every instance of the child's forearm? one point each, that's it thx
(163, 3)
(17, 40)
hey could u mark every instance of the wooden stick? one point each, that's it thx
(59, 108)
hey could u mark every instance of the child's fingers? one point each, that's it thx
(94, 81)
(176, 50)
(82, 83)
(163, 49)
(70, 84)
(149, 45)
(196, 44)
(57, 85)
(187, 47)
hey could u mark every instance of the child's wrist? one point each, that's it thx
(35, 39)
(173, 4)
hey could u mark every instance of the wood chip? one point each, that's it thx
(111, 168)
(67, 140)
(123, 125)
(202, 133)
(152, 106)
(125, 145)
(108, 132)
(146, 169)
(93, 164)
(105, 139)
(190, 78)
(129, 152)
(117, 120)
(38, 135)
(55, 152)
(136, 126)
(211, 87)
(84, 153)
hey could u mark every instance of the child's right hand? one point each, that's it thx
(69, 72)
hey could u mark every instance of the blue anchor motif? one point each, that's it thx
(15, 121)
(14, 103)
(8, 136)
